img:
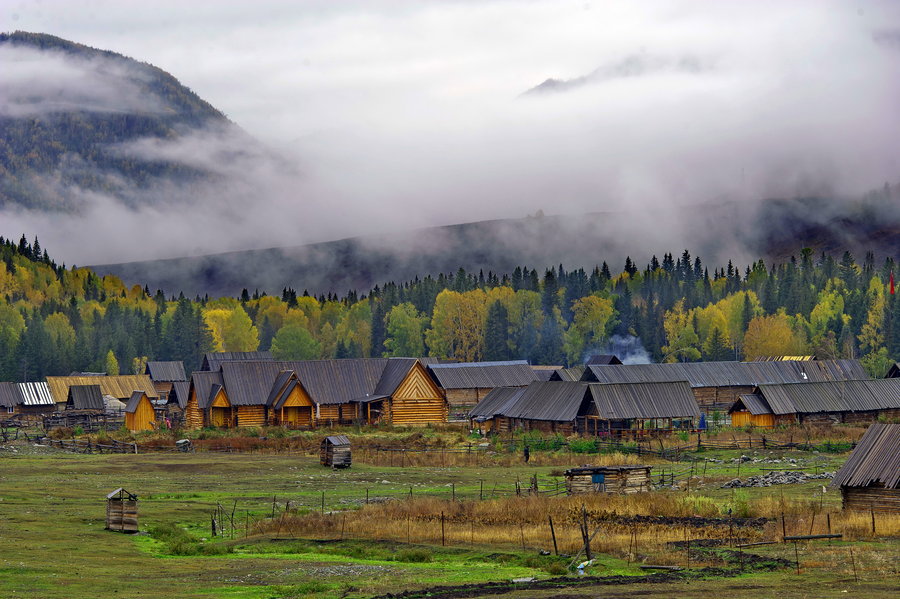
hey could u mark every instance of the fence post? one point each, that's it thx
(553, 534)
(443, 540)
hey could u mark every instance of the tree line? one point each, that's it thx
(55, 320)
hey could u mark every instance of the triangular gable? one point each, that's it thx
(294, 396)
(219, 398)
(417, 384)
(136, 398)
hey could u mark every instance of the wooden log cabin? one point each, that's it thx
(870, 478)
(718, 385)
(139, 413)
(467, 383)
(834, 402)
(608, 479)
(122, 511)
(313, 393)
(334, 452)
(575, 407)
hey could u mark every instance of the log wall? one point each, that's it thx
(627, 482)
(418, 400)
(193, 416)
(250, 416)
(873, 498)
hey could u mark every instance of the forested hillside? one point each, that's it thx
(55, 320)
(65, 131)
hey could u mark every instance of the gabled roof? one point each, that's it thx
(496, 402)
(893, 371)
(568, 374)
(339, 381)
(10, 395)
(729, 374)
(181, 392)
(337, 440)
(753, 403)
(393, 374)
(134, 401)
(644, 400)
(202, 382)
(608, 359)
(119, 386)
(840, 396)
(483, 375)
(36, 394)
(248, 383)
(85, 397)
(549, 400)
(212, 360)
(166, 372)
(875, 460)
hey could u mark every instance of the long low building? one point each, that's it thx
(575, 407)
(25, 399)
(718, 385)
(836, 402)
(465, 384)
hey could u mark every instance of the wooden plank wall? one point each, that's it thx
(871, 498)
(417, 400)
(250, 416)
(121, 516)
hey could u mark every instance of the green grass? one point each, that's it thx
(52, 511)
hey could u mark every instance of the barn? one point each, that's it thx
(139, 413)
(718, 385)
(467, 383)
(870, 478)
(833, 402)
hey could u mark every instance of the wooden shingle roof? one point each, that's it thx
(875, 460)
(120, 386)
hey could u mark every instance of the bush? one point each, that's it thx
(556, 569)
(582, 446)
(78, 431)
(415, 556)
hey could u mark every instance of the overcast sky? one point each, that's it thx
(392, 115)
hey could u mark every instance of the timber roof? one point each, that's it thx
(167, 372)
(568, 374)
(181, 391)
(340, 381)
(496, 402)
(203, 383)
(839, 396)
(10, 396)
(212, 360)
(644, 400)
(876, 459)
(120, 386)
(36, 394)
(337, 440)
(134, 401)
(729, 374)
(608, 359)
(483, 375)
(249, 383)
(85, 397)
(393, 374)
(753, 403)
(558, 401)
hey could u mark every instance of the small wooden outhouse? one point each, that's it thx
(122, 511)
(608, 479)
(139, 413)
(335, 451)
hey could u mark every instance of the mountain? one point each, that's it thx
(70, 114)
(739, 231)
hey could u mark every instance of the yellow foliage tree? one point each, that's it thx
(457, 325)
(771, 336)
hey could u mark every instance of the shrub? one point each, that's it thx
(582, 446)
(78, 431)
(556, 569)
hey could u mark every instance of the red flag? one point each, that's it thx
(892, 282)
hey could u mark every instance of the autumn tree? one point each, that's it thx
(770, 336)
(404, 327)
(294, 342)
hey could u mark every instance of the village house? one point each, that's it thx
(718, 385)
(25, 400)
(834, 402)
(164, 376)
(467, 383)
(575, 407)
(870, 478)
(119, 387)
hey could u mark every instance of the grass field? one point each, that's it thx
(52, 541)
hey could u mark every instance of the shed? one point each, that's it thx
(608, 479)
(122, 511)
(335, 451)
(139, 413)
(870, 478)
(85, 397)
